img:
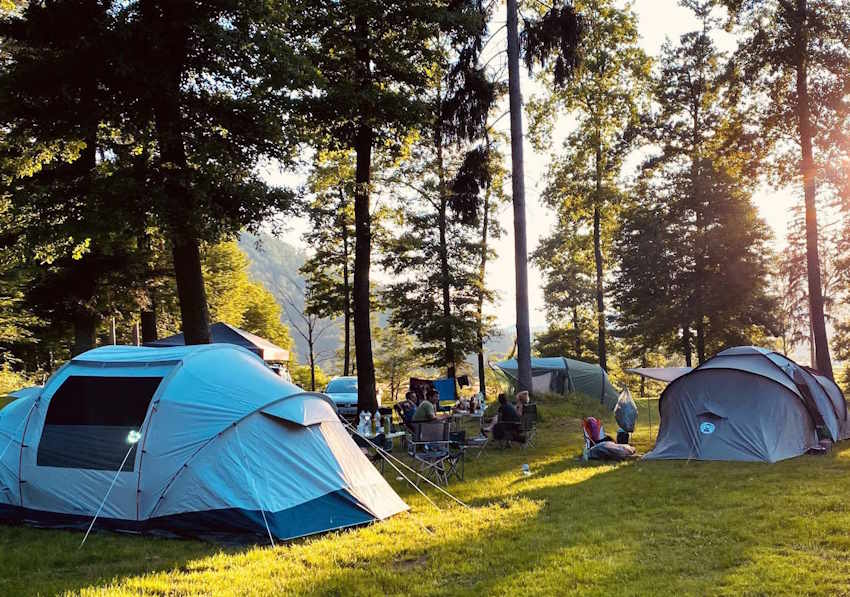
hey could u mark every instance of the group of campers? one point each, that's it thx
(419, 408)
(69, 456)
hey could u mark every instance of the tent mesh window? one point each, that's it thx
(91, 421)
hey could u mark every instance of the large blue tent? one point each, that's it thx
(198, 441)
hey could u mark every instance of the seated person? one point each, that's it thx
(521, 401)
(424, 412)
(407, 407)
(506, 428)
(427, 409)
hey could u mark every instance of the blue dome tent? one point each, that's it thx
(198, 441)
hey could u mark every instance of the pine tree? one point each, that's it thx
(201, 77)
(328, 271)
(605, 97)
(794, 59)
(565, 259)
(374, 61)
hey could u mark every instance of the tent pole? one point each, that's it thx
(108, 491)
(386, 454)
(649, 412)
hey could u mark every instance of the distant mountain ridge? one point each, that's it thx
(275, 263)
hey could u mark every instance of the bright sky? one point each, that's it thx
(658, 19)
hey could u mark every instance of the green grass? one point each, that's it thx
(639, 528)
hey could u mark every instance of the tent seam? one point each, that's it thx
(232, 425)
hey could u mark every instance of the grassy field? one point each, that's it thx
(640, 528)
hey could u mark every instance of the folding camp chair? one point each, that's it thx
(480, 441)
(431, 448)
(528, 424)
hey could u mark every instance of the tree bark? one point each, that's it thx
(576, 333)
(482, 270)
(523, 332)
(816, 308)
(597, 257)
(148, 321)
(312, 361)
(366, 389)
(686, 345)
(85, 331)
(444, 261)
(346, 357)
(699, 245)
(169, 46)
(190, 289)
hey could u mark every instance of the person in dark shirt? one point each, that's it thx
(506, 428)
(408, 407)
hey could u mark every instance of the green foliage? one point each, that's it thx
(429, 265)
(235, 298)
(692, 250)
(301, 376)
(567, 340)
(330, 211)
(395, 359)
(11, 381)
(605, 96)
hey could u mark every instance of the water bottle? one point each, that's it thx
(361, 425)
(526, 470)
(373, 423)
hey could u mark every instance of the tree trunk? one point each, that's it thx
(686, 345)
(312, 363)
(699, 244)
(523, 332)
(366, 390)
(85, 331)
(346, 355)
(190, 289)
(169, 45)
(700, 328)
(84, 283)
(597, 257)
(577, 334)
(444, 262)
(816, 309)
(482, 270)
(148, 320)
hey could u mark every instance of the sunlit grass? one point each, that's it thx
(639, 528)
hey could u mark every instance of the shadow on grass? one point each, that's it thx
(49, 562)
(570, 528)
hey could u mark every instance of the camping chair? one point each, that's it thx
(480, 441)
(528, 424)
(430, 447)
(521, 432)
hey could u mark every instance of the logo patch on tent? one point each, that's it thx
(706, 428)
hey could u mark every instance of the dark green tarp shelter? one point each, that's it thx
(560, 375)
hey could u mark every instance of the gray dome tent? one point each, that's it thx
(748, 404)
(560, 375)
